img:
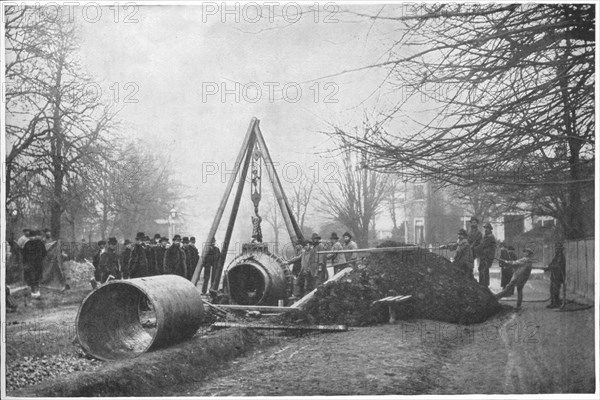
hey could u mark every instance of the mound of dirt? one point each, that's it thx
(78, 274)
(439, 291)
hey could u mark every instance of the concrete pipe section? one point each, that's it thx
(257, 277)
(126, 318)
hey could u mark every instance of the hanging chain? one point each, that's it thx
(255, 192)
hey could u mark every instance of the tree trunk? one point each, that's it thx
(56, 147)
(58, 175)
(104, 226)
(574, 228)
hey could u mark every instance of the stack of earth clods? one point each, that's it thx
(439, 291)
(78, 274)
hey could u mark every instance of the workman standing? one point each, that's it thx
(338, 260)
(185, 246)
(34, 252)
(349, 244)
(194, 255)
(558, 270)
(474, 238)
(138, 263)
(209, 265)
(96, 263)
(305, 281)
(160, 252)
(109, 262)
(320, 260)
(175, 258)
(487, 252)
(125, 256)
(463, 259)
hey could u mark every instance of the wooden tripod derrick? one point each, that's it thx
(253, 147)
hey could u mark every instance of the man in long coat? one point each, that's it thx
(336, 258)
(210, 265)
(96, 261)
(160, 252)
(175, 259)
(185, 246)
(109, 261)
(34, 252)
(558, 270)
(463, 259)
(487, 252)
(474, 238)
(194, 255)
(125, 256)
(138, 263)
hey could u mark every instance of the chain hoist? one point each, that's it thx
(255, 192)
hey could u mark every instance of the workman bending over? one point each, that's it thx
(522, 272)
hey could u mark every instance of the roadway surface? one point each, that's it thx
(534, 350)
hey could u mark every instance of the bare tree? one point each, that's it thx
(27, 112)
(355, 197)
(142, 189)
(483, 202)
(272, 217)
(55, 127)
(512, 94)
(301, 199)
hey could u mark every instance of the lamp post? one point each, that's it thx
(172, 218)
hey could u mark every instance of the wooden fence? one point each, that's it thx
(580, 255)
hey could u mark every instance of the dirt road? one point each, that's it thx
(535, 350)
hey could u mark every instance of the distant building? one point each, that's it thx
(419, 214)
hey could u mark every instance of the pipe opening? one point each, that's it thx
(117, 322)
(247, 284)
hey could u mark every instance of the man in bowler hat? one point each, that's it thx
(138, 263)
(487, 252)
(175, 262)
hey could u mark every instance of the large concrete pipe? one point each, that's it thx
(124, 319)
(257, 277)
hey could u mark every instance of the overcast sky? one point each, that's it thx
(175, 62)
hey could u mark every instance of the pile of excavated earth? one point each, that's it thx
(439, 291)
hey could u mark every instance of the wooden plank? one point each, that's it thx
(393, 299)
(267, 309)
(221, 208)
(218, 308)
(382, 300)
(303, 301)
(322, 328)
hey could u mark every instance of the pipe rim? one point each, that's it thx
(104, 288)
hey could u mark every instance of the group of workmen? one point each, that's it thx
(310, 264)
(156, 256)
(473, 246)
